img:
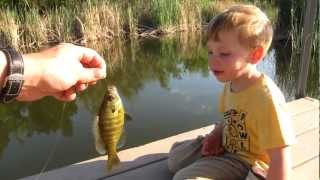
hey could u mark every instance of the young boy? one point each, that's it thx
(253, 139)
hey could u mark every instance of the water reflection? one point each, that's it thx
(165, 85)
(158, 60)
(23, 120)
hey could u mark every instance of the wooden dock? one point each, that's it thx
(150, 161)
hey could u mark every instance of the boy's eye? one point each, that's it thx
(210, 52)
(225, 54)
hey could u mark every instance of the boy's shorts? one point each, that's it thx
(186, 161)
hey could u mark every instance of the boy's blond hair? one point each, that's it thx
(252, 25)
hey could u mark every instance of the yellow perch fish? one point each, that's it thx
(108, 126)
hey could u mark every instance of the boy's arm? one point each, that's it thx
(280, 165)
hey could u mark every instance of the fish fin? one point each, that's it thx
(127, 117)
(100, 147)
(123, 138)
(113, 161)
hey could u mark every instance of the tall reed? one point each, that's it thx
(8, 18)
(32, 30)
(51, 20)
(102, 21)
(165, 12)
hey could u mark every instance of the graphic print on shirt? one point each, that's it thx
(235, 135)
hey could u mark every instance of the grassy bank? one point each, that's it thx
(33, 24)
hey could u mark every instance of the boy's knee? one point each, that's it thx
(184, 153)
(172, 166)
(177, 176)
(173, 162)
(188, 174)
(181, 175)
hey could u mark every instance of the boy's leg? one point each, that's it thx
(184, 153)
(223, 167)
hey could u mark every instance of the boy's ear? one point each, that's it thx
(256, 54)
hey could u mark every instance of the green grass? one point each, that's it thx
(165, 12)
(9, 18)
(40, 22)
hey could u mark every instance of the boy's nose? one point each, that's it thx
(213, 60)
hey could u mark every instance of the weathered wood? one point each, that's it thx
(310, 16)
(302, 105)
(307, 171)
(306, 148)
(303, 114)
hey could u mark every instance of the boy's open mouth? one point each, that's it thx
(217, 72)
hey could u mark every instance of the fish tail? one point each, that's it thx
(113, 161)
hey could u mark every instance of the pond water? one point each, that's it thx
(165, 86)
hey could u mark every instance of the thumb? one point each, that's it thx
(91, 75)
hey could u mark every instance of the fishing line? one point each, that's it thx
(53, 150)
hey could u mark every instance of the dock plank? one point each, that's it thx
(306, 148)
(138, 156)
(302, 105)
(308, 171)
(305, 122)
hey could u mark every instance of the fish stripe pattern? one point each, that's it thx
(109, 127)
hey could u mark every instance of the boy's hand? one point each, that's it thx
(212, 143)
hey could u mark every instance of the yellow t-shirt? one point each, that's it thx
(255, 120)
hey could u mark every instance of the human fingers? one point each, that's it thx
(213, 152)
(204, 149)
(92, 83)
(90, 75)
(68, 95)
(204, 152)
(220, 151)
(216, 151)
(81, 87)
(89, 58)
(68, 98)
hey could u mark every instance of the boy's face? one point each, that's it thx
(228, 59)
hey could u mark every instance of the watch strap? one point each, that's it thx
(13, 82)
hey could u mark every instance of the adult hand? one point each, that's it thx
(212, 143)
(60, 72)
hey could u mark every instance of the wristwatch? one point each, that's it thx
(14, 80)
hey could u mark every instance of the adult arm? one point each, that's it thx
(60, 72)
(3, 68)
